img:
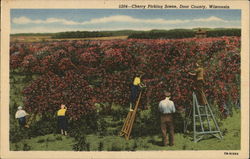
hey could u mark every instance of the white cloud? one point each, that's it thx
(25, 20)
(40, 30)
(112, 19)
(22, 20)
(210, 19)
(129, 19)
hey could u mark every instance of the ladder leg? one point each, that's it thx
(130, 127)
(194, 120)
(125, 125)
(133, 115)
(199, 115)
(208, 123)
(128, 121)
(213, 118)
(215, 122)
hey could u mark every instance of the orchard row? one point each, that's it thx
(82, 73)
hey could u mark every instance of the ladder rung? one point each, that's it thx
(203, 115)
(208, 132)
(201, 106)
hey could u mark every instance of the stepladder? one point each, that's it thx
(129, 121)
(204, 121)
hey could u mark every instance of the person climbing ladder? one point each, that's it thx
(135, 87)
(198, 73)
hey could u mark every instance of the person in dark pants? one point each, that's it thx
(135, 87)
(21, 116)
(62, 121)
(167, 108)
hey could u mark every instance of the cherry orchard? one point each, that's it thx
(81, 73)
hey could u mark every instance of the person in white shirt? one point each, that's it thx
(167, 108)
(21, 116)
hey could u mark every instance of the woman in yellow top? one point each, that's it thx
(134, 89)
(62, 121)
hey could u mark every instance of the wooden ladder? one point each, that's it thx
(128, 124)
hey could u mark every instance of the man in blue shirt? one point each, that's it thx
(167, 108)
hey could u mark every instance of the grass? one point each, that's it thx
(56, 142)
(50, 142)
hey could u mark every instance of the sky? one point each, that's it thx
(59, 20)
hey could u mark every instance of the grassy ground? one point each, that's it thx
(230, 141)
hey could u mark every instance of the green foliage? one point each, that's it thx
(163, 34)
(102, 126)
(134, 146)
(224, 32)
(32, 34)
(89, 34)
(46, 125)
(127, 148)
(59, 138)
(230, 128)
(26, 147)
(183, 33)
(17, 147)
(100, 147)
(41, 141)
(86, 124)
(116, 147)
(51, 144)
(17, 134)
(81, 144)
(153, 34)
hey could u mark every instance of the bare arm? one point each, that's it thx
(142, 85)
(26, 113)
(174, 108)
(192, 74)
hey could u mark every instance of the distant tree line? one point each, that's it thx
(33, 34)
(163, 34)
(91, 34)
(224, 32)
(153, 34)
(184, 33)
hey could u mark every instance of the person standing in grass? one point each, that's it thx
(62, 121)
(167, 109)
(21, 116)
(136, 85)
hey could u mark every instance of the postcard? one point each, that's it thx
(124, 79)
